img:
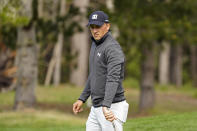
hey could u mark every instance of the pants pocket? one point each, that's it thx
(120, 110)
(125, 109)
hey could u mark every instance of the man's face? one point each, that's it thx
(99, 31)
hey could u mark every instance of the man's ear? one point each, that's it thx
(108, 26)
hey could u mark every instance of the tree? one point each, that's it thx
(140, 30)
(146, 22)
(19, 14)
(26, 61)
(55, 62)
(193, 65)
(147, 94)
(54, 30)
(80, 47)
(176, 65)
(182, 33)
(164, 60)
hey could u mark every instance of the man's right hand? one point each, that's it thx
(77, 106)
(109, 115)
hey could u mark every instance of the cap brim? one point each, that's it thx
(99, 23)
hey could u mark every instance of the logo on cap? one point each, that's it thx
(94, 17)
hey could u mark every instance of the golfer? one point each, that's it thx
(104, 84)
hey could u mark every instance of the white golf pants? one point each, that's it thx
(97, 122)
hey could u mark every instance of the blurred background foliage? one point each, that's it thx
(142, 27)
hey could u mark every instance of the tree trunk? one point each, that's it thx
(110, 6)
(54, 68)
(164, 60)
(48, 9)
(80, 47)
(176, 65)
(147, 93)
(193, 65)
(50, 68)
(55, 63)
(49, 13)
(26, 62)
(40, 8)
(58, 56)
(57, 69)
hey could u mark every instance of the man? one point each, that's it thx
(104, 84)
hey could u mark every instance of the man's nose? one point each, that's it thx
(94, 30)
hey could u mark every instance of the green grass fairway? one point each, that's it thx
(56, 121)
(175, 110)
(40, 121)
(178, 122)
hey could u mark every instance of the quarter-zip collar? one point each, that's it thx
(98, 42)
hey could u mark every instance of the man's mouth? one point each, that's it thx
(96, 35)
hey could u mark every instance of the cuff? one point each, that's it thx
(82, 100)
(106, 104)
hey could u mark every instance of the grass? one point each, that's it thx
(169, 99)
(57, 121)
(64, 94)
(53, 111)
(39, 120)
(6, 98)
(176, 122)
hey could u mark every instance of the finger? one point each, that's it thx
(74, 107)
(78, 107)
(108, 114)
(80, 110)
(111, 120)
(75, 112)
(110, 117)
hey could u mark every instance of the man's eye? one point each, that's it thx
(94, 27)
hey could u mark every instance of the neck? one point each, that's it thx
(98, 42)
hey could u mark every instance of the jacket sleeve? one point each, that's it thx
(86, 92)
(115, 59)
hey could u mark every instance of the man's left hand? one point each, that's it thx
(109, 115)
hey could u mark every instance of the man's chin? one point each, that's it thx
(97, 38)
